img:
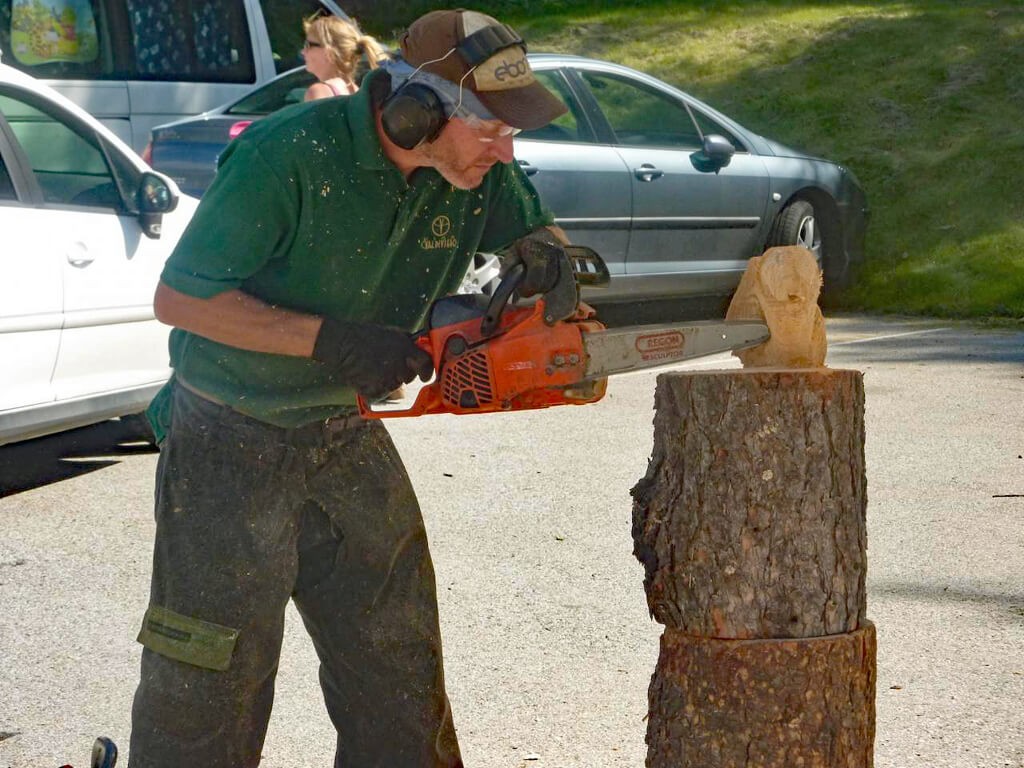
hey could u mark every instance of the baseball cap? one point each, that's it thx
(485, 56)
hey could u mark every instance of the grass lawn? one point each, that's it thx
(923, 100)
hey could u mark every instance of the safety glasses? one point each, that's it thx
(487, 131)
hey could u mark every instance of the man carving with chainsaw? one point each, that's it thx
(330, 229)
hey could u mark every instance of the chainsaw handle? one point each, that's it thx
(559, 302)
(499, 300)
(423, 400)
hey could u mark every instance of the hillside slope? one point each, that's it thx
(923, 100)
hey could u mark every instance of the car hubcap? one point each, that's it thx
(483, 274)
(809, 237)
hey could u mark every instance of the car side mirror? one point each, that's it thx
(154, 198)
(715, 154)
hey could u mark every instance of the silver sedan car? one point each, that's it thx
(673, 194)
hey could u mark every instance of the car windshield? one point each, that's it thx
(285, 90)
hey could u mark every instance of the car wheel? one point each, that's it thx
(483, 274)
(799, 223)
(136, 429)
(796, 225)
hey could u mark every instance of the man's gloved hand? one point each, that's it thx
(372, 359)
(541, 253)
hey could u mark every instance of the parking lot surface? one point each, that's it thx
(548, 644)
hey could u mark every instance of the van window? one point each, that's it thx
(284, 26)
(58, 30)
(170, 40)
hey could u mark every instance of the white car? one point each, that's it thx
(85, 228)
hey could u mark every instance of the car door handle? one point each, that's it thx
(78, 255)
(648, 172)
(528, 169)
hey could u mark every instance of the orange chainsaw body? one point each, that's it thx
(524, 364)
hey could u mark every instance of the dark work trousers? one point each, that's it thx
(249, 516)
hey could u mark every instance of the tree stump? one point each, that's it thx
(750, 524)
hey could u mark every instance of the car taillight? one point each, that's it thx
(147, 153)
(238, 127)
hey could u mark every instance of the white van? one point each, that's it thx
(138, 63)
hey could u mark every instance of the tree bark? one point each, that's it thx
(750, 524)
(767, 703)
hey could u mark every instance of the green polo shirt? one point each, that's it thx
(307, 213)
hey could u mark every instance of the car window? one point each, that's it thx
(642, 116)
(709, 126)
(191, 40)
(174, 40)
(284, 25)
(289, 89)
(69, 166)
(53, 37)
(6, 185)
(566, 127)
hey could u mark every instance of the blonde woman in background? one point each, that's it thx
(332, 52)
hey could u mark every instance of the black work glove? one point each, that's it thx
(372, 359)
(540, 252)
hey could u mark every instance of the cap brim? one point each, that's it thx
(530, 107)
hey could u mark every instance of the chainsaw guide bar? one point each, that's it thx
(621, 350)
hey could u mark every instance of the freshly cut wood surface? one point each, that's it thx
(781, 287)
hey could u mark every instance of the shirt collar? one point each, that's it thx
(362, 125)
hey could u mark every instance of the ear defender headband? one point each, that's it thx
(414, 113)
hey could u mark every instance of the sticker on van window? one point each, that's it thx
(44, 31)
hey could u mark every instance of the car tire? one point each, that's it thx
(796, 224)
(799, 223)
(136, 429)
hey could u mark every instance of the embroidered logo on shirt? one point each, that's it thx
(440, 227)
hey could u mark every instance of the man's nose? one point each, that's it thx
(502, 148)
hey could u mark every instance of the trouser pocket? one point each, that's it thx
(183, 638)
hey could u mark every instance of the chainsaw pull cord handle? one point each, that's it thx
(499, 300)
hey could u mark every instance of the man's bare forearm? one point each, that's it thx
(239, 319)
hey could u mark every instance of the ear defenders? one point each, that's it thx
(414, 113)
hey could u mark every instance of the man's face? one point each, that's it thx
(463, 154)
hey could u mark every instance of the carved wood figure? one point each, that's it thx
(781, 287)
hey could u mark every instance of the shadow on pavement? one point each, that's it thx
(45, 460)
(1010, 605)
(884, 339)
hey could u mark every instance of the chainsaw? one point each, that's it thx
(493, 355)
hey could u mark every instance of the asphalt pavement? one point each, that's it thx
(548, 644)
